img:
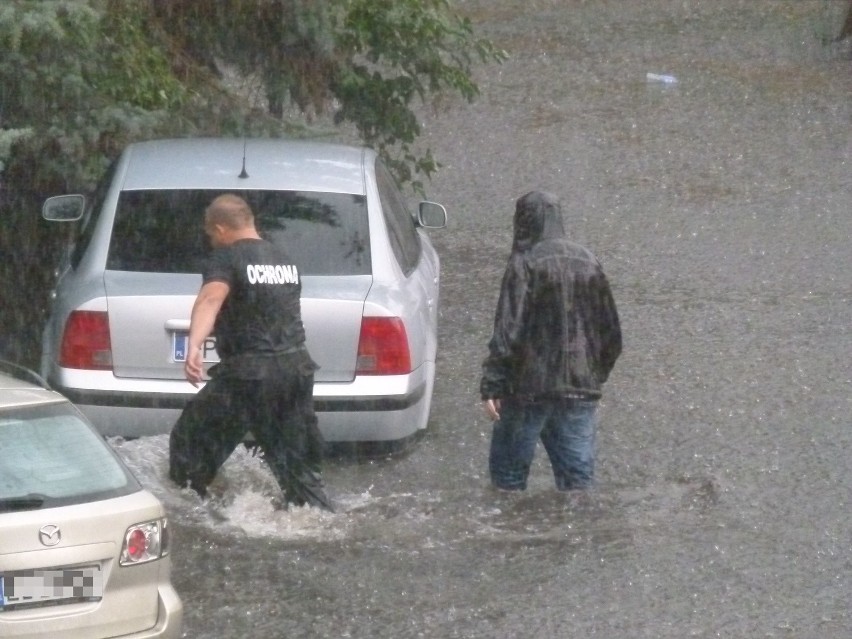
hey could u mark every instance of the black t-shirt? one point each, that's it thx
(261, 316)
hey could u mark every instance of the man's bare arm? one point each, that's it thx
(210, 299)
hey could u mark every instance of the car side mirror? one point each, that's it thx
(431, 215)
(63, 208)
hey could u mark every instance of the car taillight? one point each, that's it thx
(383, 347)
(85, 342)
(145, 542)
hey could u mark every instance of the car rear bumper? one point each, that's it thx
(370, 408)
(169, 617)
(59, 621)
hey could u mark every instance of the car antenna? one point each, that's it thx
(243, 174)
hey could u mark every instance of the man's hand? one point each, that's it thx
(492, 408)
(193, 368)
(204, 311)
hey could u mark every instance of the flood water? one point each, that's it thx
(720, 209)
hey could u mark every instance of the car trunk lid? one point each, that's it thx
(148, 312)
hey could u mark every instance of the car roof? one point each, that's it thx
(270, 163)
(15, 392)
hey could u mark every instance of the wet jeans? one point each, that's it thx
(567, 430)
(279, 413)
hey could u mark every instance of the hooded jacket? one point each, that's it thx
(556, 329)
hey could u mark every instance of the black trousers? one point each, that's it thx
(277, 409)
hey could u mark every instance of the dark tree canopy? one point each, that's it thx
(365, 61)
(79, 79)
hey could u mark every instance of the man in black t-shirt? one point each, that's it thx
(264, 382)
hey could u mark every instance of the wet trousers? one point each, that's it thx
(566, 427)
(279, 413)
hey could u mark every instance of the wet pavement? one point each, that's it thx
(720, 209)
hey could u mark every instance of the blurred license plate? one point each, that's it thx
(40, 587)
(180, 344)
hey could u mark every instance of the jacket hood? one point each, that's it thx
(538, 216)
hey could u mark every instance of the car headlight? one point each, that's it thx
(145, 542)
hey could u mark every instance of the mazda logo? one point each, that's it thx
(49, 535)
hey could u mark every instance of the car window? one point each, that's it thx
(324, 233)
(161, 231)
(90, 216)
(404, 238)
(50, 452)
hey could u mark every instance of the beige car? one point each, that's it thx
(84, 550)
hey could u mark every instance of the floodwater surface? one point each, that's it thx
(720, 208)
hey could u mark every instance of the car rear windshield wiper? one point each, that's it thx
(24, 502)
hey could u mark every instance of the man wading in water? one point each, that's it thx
(556, 338)
(264, 381)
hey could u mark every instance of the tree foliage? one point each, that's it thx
(366, 61)
(79, 79)
(393, 52)
(56, 132)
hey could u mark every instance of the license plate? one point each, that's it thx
(180, 345)
(42, 587)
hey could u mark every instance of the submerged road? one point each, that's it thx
(719, 207)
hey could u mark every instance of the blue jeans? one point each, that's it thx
(567, 430)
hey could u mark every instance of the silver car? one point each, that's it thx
(84, 550)
(115, 342)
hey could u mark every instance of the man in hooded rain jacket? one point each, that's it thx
(556, 339)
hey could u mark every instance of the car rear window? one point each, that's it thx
(50, 455)
(161, 231)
